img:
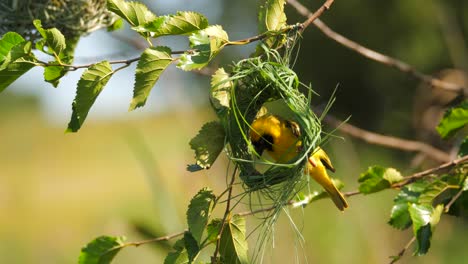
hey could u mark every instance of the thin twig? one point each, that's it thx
(316, 14)
(453, 200)
(403, 250)
(351, 193)
(388, 141)
(422, 174)
(214, 259)
(302, 26)
(376, 56)
(152, 240)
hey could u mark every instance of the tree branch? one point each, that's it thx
(376, 56)
(422, 174)
(142, 242)
(388, 141)
(317, 14)
(402, 251)
(302, 26)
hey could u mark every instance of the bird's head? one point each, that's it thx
(262, 133)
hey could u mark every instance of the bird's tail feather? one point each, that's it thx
(337, 197)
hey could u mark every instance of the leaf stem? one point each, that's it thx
(226, 214)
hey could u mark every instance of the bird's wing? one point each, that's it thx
(295, 129)
(326, 162)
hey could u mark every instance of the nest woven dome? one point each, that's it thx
(255, 83)
(73, 18)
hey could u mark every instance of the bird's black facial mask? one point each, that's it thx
(265, 142)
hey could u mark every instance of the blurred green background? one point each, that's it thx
(125, 172)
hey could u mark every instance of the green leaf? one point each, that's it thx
(53, 74)
(424, 218)
(454, 119)
(199, 211)
(399, 216)
(220, 91)
(12, 48)
(152, 63)
(134, 13)
(178, 24)
(436, 193)
(13, 71)
(180, 256)
(101, 250)
(271, 17)
(378, 178)
(118, 24)
(7, 42)
(212, 229)
(38, 25)
(191, 245)
(57, 46)
(463, 151)
(205, 45)
(89, 87)
(233, 245)
(53, 38)
(208, 144)
(465, 184)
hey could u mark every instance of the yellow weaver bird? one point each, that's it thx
(280, 139)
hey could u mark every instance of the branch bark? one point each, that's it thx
(317, 14)
(388, 141)
(376, 56)
(425, 173)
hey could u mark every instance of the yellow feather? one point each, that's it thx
(285, 147)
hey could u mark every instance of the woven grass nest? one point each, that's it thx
(73, 18)
(256, 84)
